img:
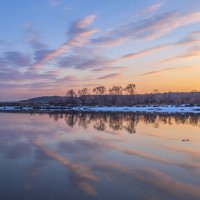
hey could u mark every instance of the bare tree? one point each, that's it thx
(82, 94)
(130, 89)
(116, 90)
(155, 91)
(71, 94)
(100, 90)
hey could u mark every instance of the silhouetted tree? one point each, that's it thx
(116, 90)
(131, 90)
(82, 94)
(100, 90)
(71, 94)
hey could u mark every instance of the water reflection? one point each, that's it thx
(93, 156)
(124, 121)
(79, 174)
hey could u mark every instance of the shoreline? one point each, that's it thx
(183, 109)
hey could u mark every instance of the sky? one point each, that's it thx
(50, 46)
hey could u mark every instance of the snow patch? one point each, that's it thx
(149, 109)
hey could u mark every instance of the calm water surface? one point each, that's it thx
(99, 156)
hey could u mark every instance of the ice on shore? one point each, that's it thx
(149, 109)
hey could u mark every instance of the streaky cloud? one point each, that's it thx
(193, 52)
(145, 52)
(150, 29)
(152, 8)
(112, 75)
(78, 33)
(165, 69)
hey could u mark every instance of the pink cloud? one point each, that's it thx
(152, 8)
(150, 28)
(78, 32)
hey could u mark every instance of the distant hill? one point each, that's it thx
(44, 99)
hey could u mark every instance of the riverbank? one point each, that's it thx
(148, 109)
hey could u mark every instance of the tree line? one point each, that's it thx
(113, 96)
(127, 96)
(102, 90)
(100, 95)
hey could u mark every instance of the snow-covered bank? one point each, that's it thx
(149, 109)
(160, 109)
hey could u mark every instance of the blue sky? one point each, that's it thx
(50, 46)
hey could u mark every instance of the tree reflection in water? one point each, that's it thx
(124, 121)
